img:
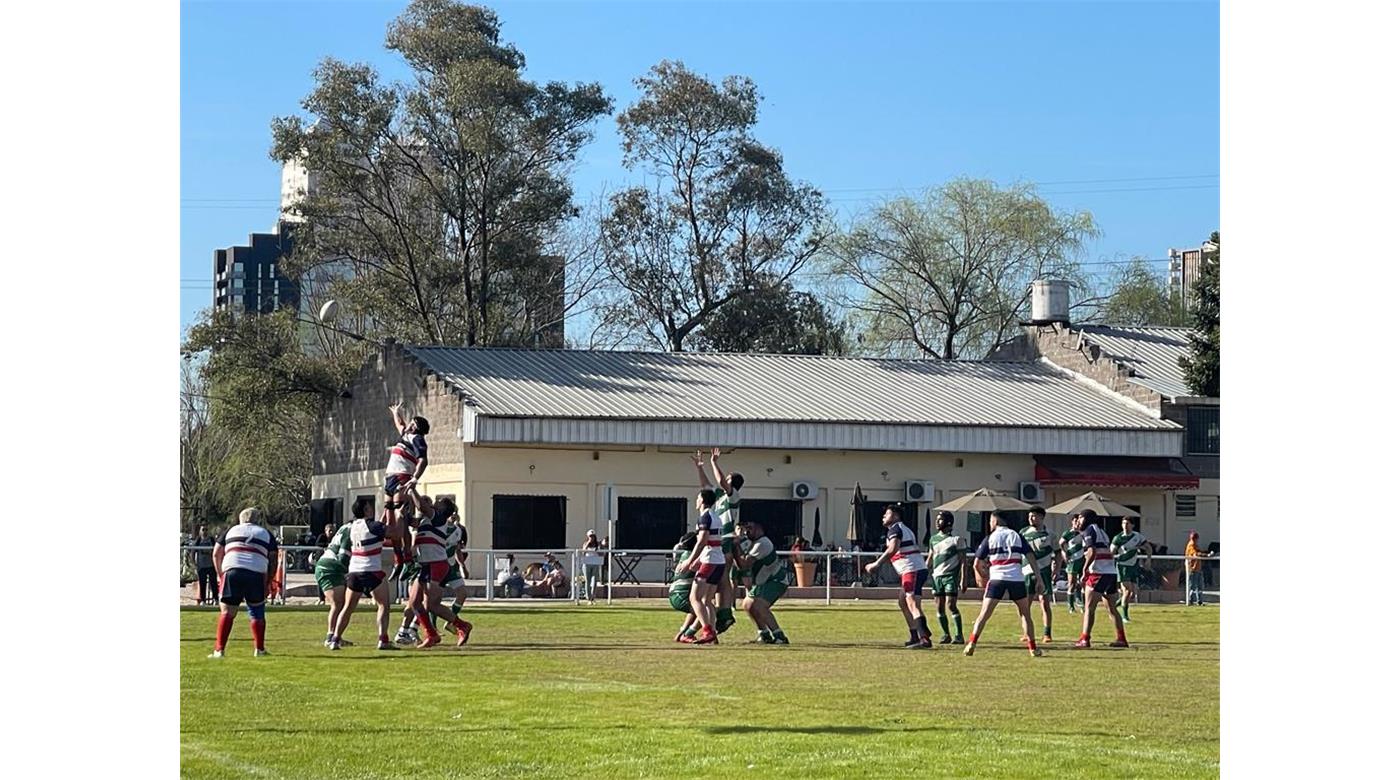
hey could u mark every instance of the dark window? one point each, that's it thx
(650, 523)
(781, 518)
(527, 522)
(323, 511)
(1203, 430)
(1114, 525)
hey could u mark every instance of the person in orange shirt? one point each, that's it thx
(1195, 579)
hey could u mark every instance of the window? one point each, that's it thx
(781, 518)
(1114, 525)
(650, 523)
(1185, 506)
(527, 522)
(1203, 430)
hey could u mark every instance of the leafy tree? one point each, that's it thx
(437, 199)
(774, 318)
(1202, 366)
(722, 214)
(261, 396)
(949, 275)
(1140, 296)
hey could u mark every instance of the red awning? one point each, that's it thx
(1110, 472)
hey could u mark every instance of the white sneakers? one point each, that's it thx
(259, 653)
(217, 654)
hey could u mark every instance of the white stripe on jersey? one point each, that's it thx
(366, 546)
(247, 546)
(712, 552)
(1094, 537)
(430, 542)
(908, 557)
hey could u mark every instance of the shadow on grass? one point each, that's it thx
(823, 730)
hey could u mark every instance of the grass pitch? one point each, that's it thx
(602, 691)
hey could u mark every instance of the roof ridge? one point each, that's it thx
(657, 353)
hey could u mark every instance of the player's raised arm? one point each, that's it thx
(720, 478)
(700, 469)
(396, 411)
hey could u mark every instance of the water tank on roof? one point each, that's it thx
(1049, 301)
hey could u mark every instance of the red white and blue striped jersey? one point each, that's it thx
(1093, 537)
(907, 555)
(406, 453)
(366, 546)
(248, 546)
(1003, 549)
(714, 544)
(430, 541)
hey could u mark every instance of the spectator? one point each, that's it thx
(205, 573)
(591, 571)
(1194, 576)
(553, 582)
(509, 578)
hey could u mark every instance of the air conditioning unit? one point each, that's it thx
(918, 492)
(1030, 492)
(804, 491)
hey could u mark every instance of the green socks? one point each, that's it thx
(725, 615)
(943, 623)
(957, 622)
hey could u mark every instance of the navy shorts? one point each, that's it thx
(243, 585)
(393, 483)
(364, 582)
(1103, 584)
(1001, 589)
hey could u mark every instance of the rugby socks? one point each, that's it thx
(1122, 635)
(1030, 642)
(457, 608)
(423, 621)
(726, 615)
(259, 627)
(693, 630)
(957, 621)
(222, 630)
(972, 640)
(778, 634)
(1125, 609)
(943, 622)
(330, 638)
(923, 627)
(383, 639)
(913, 635)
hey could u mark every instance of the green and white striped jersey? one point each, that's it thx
(1125, 548)
(338, 551)
(683, 579)
(1073, 542)
(945, 549)
(1038, 539)
(725, 506)
(767, 566)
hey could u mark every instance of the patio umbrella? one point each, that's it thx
(817, 529)
(853, 531)
(984, 500)
(928, 521)
(1102, 505)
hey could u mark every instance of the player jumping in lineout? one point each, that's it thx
(726, 489)
(408, 459)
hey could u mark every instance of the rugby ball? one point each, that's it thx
(328, 311)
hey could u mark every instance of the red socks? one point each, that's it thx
(1122, 637)
(1084, 637)
(258, 627)
(222, 630)
(1030, 641)
(422, 615)
(973, 640)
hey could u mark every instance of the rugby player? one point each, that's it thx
(430, 554)
(945, 562)
(726, 489)
(769, 576)
(1125, 547)
(998, 561)
(679, 593)
(1040, 580)
(1100, 580)
(708, 566)
(1072, 553)
(408, 459)
(902, 549)
(365, 577)
(333, 565)
(241, 555)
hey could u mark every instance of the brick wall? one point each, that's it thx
(355, 433)
(1057, 344)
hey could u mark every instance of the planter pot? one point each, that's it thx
(806, 572)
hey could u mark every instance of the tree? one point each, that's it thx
(722, 214)
(949, 275)
(1140, 296)
(258, 397)
(1202, 366)
(774, 318)
(437, 199)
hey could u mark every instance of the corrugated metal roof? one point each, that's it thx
(785, 388)
(1151, 352)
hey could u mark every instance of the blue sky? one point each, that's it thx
(1111, 107)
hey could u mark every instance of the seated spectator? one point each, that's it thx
(553, 584)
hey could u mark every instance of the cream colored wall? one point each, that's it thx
(1159, 521)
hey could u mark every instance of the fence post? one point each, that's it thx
(490, 575)
(573, 575)
(828, 578)
(610, 572)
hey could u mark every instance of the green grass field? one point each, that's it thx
(602, 691)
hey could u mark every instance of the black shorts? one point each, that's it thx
(364, 582)
(1012, 589)
(243, 585)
